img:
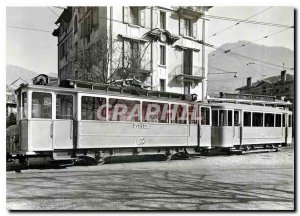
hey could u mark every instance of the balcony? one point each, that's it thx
(189, 74)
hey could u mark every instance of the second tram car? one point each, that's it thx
(244, 126)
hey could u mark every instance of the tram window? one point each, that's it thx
(278, 120)
(223, 118)
(236, 118)
(64, 106)
(155, 112)
(283, 120)
(247, 119)
(178, 114)
(193, 113)
(93, 108)
(229, 117)
(41, 105)
(269, 120)
(24, 105)
(290, 120)
(215, 118)
(205, 117)
(123, 110)
(257, 119)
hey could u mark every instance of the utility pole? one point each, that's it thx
(204, 68)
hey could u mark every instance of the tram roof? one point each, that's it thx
(249, 107)
(130, 92)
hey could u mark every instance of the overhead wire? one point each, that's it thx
(248, 21)
(30, 29)
(229, 27)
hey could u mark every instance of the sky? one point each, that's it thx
(37, 51)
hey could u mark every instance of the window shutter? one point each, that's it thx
(142, 17)
(195, 29)
(125, 14)
(181, 27)
(158, 18)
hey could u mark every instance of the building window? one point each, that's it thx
(247, 119)
(162, 55)
(277, 91)
(162, 84)
(264, 89)
(269, 120)
(187, 62)
(41, 105)
(75, 24)
(162, 20)
(134, 15)
(257, 119)
(188, 24)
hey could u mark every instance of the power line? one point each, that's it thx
(225, 29)
(248, 21)
(30, 29)
(246, 57)
(267, 36)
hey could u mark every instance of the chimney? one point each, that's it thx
(283, 76)
(249, 82)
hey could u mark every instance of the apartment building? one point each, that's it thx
(163, 47)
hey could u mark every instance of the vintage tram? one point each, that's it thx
(250, 124)
(88, 121)
(97, 121)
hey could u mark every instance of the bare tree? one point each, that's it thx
(105, 62)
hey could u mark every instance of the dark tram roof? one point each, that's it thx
(79, 86)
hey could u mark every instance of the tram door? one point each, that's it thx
(205, 127)
(236, 127)
(62, 126)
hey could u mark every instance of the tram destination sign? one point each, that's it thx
(247, 97)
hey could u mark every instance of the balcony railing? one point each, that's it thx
(189, 73)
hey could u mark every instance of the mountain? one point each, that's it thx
(15, 72)
(245, 67)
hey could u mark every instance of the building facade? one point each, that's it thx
(281, 86)
(162, 47)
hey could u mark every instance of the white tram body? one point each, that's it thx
(64, 122)
(244, 125)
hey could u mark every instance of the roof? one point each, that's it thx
(270, 81)
(249, 107)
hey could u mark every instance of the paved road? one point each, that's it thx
(262, 181)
